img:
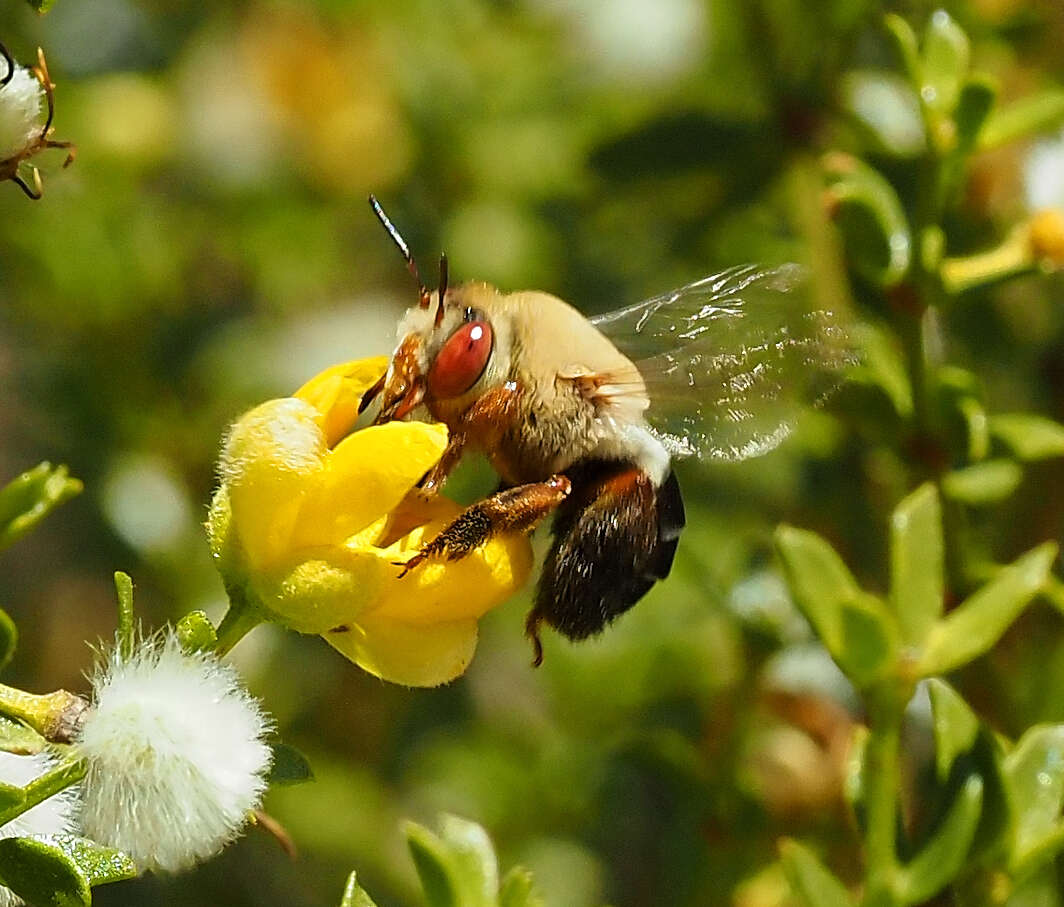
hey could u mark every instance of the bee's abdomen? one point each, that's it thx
(614, 537)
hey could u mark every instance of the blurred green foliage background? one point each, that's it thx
(211, 247)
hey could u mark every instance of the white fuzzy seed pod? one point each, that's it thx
(176, 755)
(21, 102)
(54, 816)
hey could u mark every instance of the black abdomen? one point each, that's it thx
(614, 537)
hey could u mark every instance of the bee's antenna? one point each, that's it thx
(442, 290)
(10, 66)
(404, 249)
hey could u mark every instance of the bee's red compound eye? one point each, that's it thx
(461, 361)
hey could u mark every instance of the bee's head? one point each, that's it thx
(446, 342)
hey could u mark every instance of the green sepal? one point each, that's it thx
(942, 857)
(870, 217)
(971, 629)
(28, 499)
(954, 724)
(1029, 436)
(355, 895)
(60, 870)
(944, 64)
(983, 483)
(854, 626)
(41, 6)
(196, 633)
(458, 868)
(1034, 774)
(1037, 113)
(811, 881)
(518, 889)
(289, 765)
(916, 563)
(8, 638)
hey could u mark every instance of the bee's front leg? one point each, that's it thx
(516, 509)
(483, 421)
(432, 481)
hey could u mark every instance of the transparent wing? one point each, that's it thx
(731, 360)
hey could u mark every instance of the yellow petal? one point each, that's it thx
(412, 655)
(336, 393)
(438, 590)
(271, 456)
(366, 476)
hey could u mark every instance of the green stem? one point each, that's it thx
(239, 620)
(881, 803)
(52, 715)
(47, 785)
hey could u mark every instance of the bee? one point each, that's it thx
(582, 417)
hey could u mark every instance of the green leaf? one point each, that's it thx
(42, 873)
(943, 856)
(1042, 889)
(28, 499)
(126, 630)
(8, 638)
(355, 895)
(906, 45)
(967, 632)
(97, 863)
(457, 869)
(869, 643)
(983, 483)
(433, 863)
(519, 890)
(1037, 113)
(870, 217)
(916, 562)
(290, 766)
(1030, 437)
(944, 63)
(196, 633)
(10, 796)
(976, 100)
(812, 882)
(1034, 773)
(41, 6)
(954, 724)
(474, 859)
(59, 870)
(16, 737)
(882, 365)
(819, 581)
(853, 625)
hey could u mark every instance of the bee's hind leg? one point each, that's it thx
(516, 509)
(613, 539)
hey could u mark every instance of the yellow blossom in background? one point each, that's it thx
(309, 522)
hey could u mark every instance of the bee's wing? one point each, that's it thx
(730, 360)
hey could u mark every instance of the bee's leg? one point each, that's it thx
(613, 539)
(516, 509)
(432, 481)
(483, 420)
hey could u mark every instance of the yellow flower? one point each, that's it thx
(309, 522)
